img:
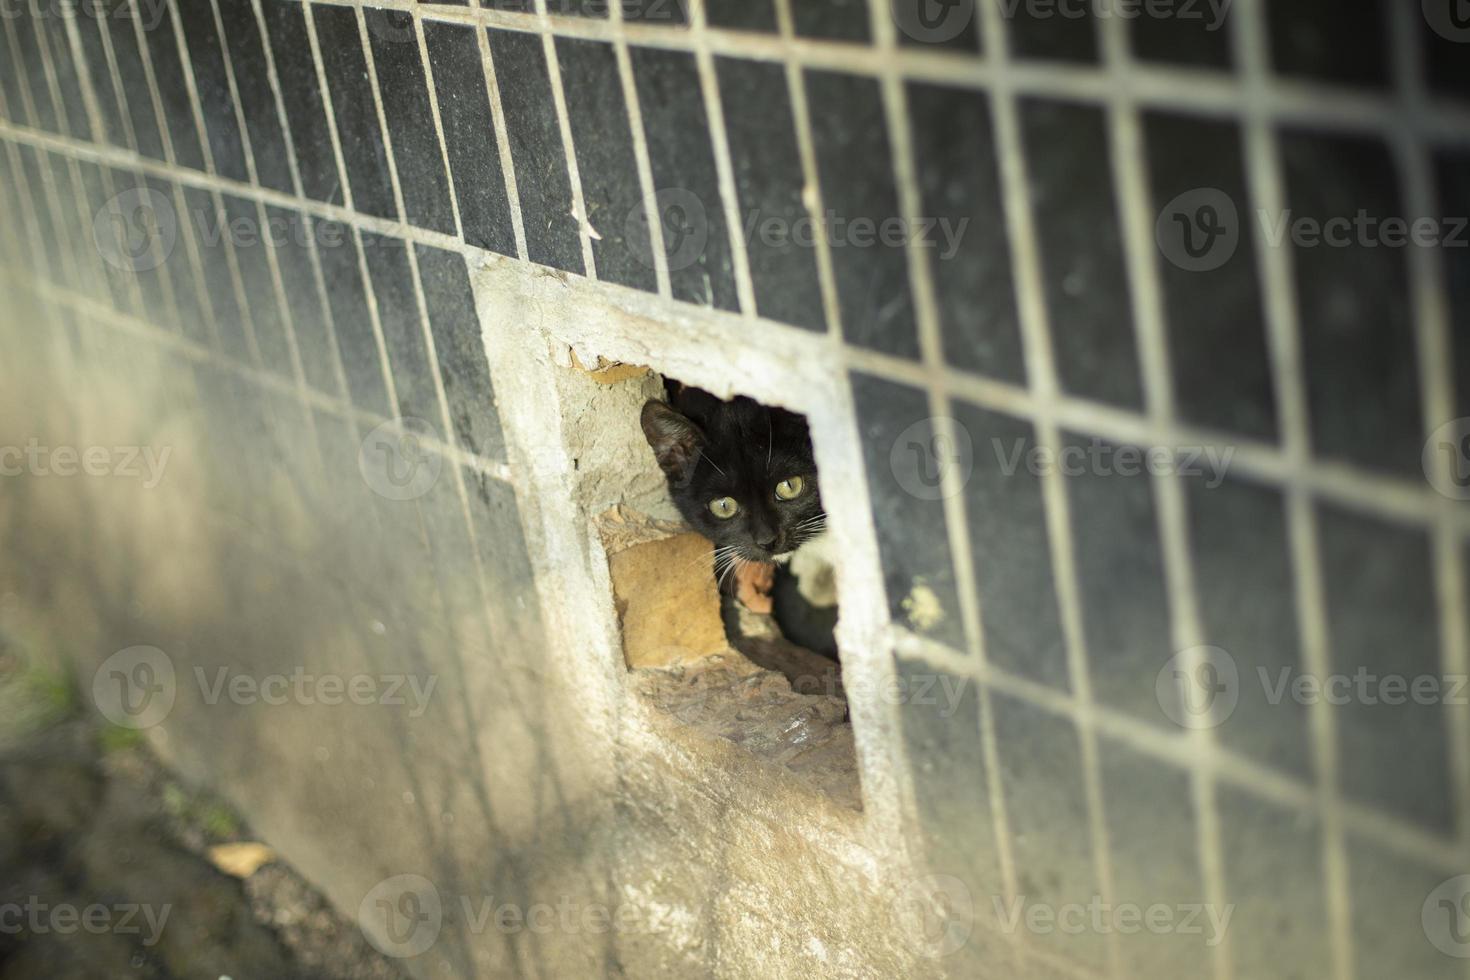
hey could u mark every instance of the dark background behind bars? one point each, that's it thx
(1055, 322)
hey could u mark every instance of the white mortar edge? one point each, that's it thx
(531, 325)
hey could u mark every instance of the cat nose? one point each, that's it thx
(767, 541)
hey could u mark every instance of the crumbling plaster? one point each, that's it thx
(577, 444)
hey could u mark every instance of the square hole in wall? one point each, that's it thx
(722, 579)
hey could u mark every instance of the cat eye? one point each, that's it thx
(724, 508)
(790, 489)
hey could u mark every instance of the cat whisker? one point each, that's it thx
(730, 567)
(711, 462)
(728, 564)
(716, 554)
(740, 565)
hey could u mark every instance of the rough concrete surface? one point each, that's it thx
(533, 792)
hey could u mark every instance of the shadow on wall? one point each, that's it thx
(266, 588)
(329, 662)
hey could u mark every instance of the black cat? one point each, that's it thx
(742, 474)
(745, 477)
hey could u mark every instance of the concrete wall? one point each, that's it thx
(311, 291)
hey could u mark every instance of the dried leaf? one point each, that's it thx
(240, 859)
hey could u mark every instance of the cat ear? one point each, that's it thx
(676, 441)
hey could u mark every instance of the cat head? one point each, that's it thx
(742, 474)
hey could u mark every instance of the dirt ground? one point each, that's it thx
(109, 867)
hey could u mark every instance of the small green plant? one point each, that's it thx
(219, 820)
(115, 738)
(201, 810)
(50, 688)
(33, 697)
(175, 800)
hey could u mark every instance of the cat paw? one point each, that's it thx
(753, 583)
